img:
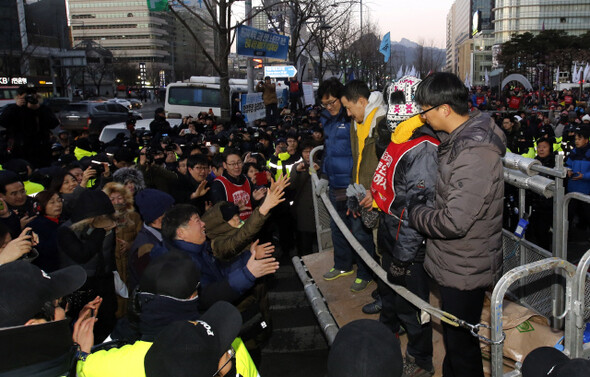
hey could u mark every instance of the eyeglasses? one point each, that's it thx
(329, 104)
(425, 111)
(232, 354)
(235, 164)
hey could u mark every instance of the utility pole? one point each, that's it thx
(249, 67)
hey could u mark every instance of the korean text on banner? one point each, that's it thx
(252, 107)
(259, 43)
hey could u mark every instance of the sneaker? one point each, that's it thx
(335, 274)
(360, 285)
(411, 369)
(372, 307)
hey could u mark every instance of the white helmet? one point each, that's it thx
(400, 101)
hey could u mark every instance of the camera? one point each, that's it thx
(31, 98)
(97, 165)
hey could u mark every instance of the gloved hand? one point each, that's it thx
(397, 272)
(354, 197)
(322, 187)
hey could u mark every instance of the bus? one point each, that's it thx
(199, 94)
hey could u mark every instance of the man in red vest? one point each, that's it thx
(406, 174)
(233, 186)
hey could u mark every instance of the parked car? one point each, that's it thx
(123, 102)
(111, 131)
(94, 116)
(137, 104)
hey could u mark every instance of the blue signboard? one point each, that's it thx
(280, 71)
(259, 43)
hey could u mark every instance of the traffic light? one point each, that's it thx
(257, 63)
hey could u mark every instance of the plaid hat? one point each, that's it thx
(364, 348)
(548, 361)
(152, 204)
(25, 288)
(173, 274)
(193, 348)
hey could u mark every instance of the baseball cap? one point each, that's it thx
(173, 274)
(548, 361)
(25, 288)
(193, 348)
(364, 348)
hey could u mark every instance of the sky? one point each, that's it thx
(401, 18)
(411, 19)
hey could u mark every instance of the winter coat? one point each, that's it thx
(46, 229)
(139, 254)
(579, 161)
(303, 199)
(219, 281)
(368, 158)
(269, 93)
(464, 229)
(414, 180)
(227, 241)
(337, 162)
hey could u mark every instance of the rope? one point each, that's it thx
(445, 317)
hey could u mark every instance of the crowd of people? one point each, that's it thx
(140, 243)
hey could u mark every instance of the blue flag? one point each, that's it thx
(385, 47)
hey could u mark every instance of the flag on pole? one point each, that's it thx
(157, 5)
(466, 82)
(579, 75)
(557, 76)
(385, 47)
(575, 73)
(486, 78)
(586, 72)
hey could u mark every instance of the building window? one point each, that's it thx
(562, 20)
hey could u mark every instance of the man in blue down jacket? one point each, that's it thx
(464, 229)
(337, 167)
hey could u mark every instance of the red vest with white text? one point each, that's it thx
(238, 195)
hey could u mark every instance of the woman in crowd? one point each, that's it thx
(131, 178)
(128, 226)
(67, 186)
(49, 206)
(87, 239)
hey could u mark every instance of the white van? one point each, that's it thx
(199, 94)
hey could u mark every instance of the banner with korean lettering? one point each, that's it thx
(259, 43)
(252, 107)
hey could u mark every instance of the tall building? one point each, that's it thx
(518, 16)
(128, 29)
(469, 29)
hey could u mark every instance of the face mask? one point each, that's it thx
(119, 207)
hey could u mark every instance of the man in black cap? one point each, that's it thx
(152, 205)
(550, 362)
(365, 348)
(34, 337)
(159, 125)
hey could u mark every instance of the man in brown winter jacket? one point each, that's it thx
(464, 230)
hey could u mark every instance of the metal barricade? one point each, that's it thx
(548, 265)
(530, 273)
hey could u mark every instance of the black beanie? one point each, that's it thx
(229, 210)
(91, 203)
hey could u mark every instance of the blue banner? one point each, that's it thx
(259, 43)
(385, 47)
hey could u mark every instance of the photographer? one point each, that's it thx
(28, 126)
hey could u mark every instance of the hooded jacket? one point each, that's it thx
(368, 158)
(464, 229)
(227, 241)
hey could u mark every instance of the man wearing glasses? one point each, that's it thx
(464, 229)
(233, 186)
(366, 110)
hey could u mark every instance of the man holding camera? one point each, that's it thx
(28, 126)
